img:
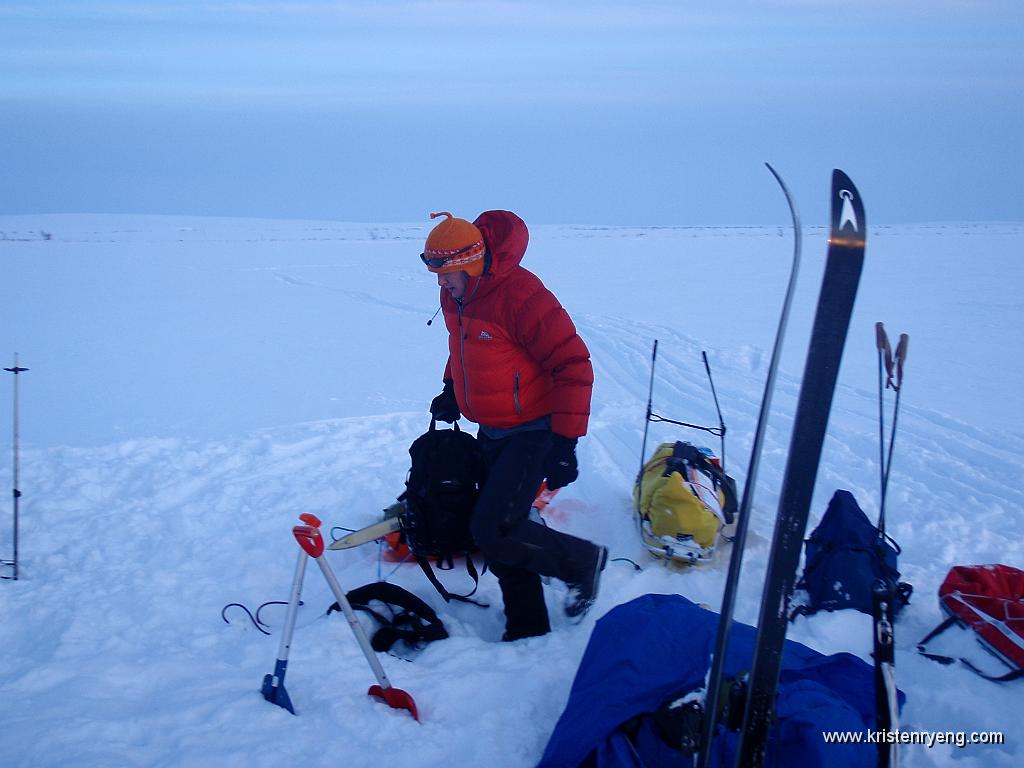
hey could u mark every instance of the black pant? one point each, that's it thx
(518, 550)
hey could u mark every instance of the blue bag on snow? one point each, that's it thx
(845, 554)
(657, 648)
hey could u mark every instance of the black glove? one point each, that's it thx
(560, 466)
(444, 407)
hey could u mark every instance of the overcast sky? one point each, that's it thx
(567, 112)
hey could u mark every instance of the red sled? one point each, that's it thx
(988, 599)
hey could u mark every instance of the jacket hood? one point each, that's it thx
(506, 237)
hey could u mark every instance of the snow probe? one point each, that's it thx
(13, 564)
(843, 267)
(273, 684)
(312, 543)
(715, 680)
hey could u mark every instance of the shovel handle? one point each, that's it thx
(353, 621)
(312, 543)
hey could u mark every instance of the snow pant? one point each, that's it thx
(520, 551)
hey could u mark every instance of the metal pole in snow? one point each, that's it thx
(16, 493)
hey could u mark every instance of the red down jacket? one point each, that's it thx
(514, 354)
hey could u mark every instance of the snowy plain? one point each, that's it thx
(197, 383)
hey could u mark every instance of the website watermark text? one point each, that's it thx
(930, 739)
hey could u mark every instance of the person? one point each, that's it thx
(518, 368)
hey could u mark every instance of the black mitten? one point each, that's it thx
(444, 407)
(560, 464)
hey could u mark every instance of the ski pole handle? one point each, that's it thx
(882, 342)
(901, 358)
(881, 338)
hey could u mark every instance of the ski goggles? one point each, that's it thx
(467, 254)
(435, 262)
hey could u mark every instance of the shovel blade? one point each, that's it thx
(274, 692)
(395, 698)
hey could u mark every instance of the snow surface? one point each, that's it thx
(196, 384)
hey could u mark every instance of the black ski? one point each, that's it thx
(714, 688)
(886, 703)
(828, 337)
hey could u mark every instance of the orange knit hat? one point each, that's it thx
(454, 245)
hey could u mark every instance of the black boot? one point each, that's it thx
(583, 590)
(526, 614)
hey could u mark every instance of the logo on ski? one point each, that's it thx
(847, 215)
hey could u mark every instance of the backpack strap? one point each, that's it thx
(424, 564)
(433, 425)
(416, 623)
(901, 590)
(946, 660)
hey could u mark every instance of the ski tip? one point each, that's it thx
(839, 175)
(848, 224)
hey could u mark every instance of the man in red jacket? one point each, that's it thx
(516, 367)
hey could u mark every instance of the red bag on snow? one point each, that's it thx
(989, 599)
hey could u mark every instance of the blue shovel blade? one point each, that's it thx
(273, 687)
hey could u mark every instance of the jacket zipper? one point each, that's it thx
(462, 357)
(515, 395)
(462, 348)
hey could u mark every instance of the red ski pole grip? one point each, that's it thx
(309, 539)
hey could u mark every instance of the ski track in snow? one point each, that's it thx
(114, 648)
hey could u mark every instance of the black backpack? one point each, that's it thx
(443, 485)
(400, 615)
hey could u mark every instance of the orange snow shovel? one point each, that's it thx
(312, 542)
